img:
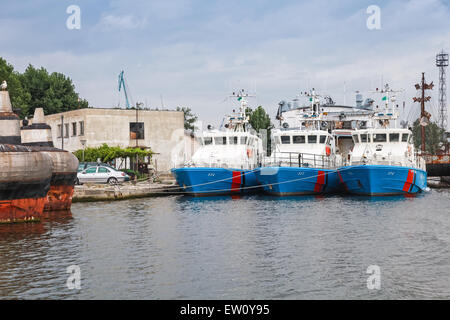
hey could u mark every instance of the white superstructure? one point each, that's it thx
(234, 146)
(385, 146)
(308, 144)
(382, 143)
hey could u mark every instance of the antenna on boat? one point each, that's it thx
(239, 120)
(388, 96)
(314, 98)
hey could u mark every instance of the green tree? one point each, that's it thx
(106, 153)
(434, 137)
(260, 120)
(20, 97)
(54, 92)
(189, 118)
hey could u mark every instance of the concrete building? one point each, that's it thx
(162, 131)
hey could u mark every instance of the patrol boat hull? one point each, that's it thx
(204, 181)
(382, 180)
(285, 181)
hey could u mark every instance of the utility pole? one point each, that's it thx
(424, 115)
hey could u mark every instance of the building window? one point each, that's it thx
(74, 128)
(81, 128)
(136, 130)
(59, 135)
(66, 134)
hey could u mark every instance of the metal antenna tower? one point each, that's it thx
(441, 63)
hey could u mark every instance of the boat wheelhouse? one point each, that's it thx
(227, 149)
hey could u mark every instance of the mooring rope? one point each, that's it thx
(258, 186)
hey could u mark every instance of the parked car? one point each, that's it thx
(101, 174)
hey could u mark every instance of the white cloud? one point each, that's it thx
(129, 22)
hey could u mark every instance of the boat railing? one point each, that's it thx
(417, 161)
(298, 159)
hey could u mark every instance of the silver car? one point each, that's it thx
(101, 174)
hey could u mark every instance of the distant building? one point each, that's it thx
(161, 131)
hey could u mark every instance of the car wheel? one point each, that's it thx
(77, 181)
(112, 181)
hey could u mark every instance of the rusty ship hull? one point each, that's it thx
(25, 177)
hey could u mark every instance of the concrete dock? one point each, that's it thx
(105, 192)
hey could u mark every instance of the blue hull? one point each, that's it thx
(379, 180)
(284, 181)
(205, 181)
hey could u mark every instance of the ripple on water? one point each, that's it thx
(255, 247)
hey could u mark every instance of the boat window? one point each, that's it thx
(298, 139)
(220, 140)
(285, 139)
(322, 139)
(355, 138)
(208, 140)
(233, 140)
(328, 140)
(410, 139)
(364, 137)
(394, 137)
(199, 140)
(243, 140)
(379, 137)
(250, 141)
(312, 139)
(91, 170)
(405, 137)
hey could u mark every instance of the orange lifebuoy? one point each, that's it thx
(328, 150)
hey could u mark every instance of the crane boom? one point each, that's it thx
(122, 84)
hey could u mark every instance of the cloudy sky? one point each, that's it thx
(192, 53)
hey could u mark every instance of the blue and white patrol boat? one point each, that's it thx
(383, 160)
(227, 158)
(304, 159)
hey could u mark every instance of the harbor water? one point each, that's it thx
(251, 247)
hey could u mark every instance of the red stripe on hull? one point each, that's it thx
(409, 180)
(236, 182)
(342, 181)
(59, 198)
(320, 181)
(21, 210)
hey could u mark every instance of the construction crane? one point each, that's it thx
(122, 84)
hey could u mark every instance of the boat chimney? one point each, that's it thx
(9, 121)
(38, 133)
